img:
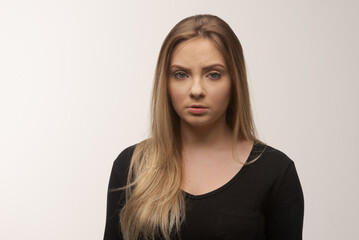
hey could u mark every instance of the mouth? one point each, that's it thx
(197, 109)
(197, 106)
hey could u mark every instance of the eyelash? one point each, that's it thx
(181, 72)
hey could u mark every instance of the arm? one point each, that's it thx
(112, 218)
(116, 199)
(286, 208)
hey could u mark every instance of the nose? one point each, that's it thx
(197, 91)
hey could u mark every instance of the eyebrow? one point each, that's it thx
(203, 69)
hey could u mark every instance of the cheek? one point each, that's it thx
(177, 95)
(222, 96)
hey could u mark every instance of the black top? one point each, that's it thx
(264, 200)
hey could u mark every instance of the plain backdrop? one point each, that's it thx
(75, 86)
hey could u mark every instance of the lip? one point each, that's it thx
(197, 109)
(197, 106)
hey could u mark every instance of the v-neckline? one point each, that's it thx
(227, 184)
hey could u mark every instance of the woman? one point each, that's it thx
(203, 174)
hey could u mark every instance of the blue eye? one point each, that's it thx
(215, 75)
(180, 75)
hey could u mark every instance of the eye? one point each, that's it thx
(180, 75)
(214, 75)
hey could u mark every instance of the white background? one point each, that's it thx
(75, 85)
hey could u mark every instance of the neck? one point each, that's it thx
(216, 135)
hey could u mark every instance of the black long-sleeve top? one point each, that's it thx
(263, 201)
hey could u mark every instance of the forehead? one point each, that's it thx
(197, 51)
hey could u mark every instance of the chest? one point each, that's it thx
(206, 172)
(203, 178)
(231, 212)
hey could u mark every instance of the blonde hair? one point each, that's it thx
(155, 204)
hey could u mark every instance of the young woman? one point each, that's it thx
(203, 174)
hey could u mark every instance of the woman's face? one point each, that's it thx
(199, 83)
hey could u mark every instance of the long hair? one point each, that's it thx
(155, 204)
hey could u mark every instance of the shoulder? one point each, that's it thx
(276, 157)
(271, 161)
(121, 167)
(124, 158)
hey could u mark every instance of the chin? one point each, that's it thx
(198, 122)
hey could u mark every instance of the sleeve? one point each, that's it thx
(113, 199)
(116, 199)
(286, 211)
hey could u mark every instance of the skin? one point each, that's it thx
(199, 75)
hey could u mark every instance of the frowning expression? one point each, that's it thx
(199, 83)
